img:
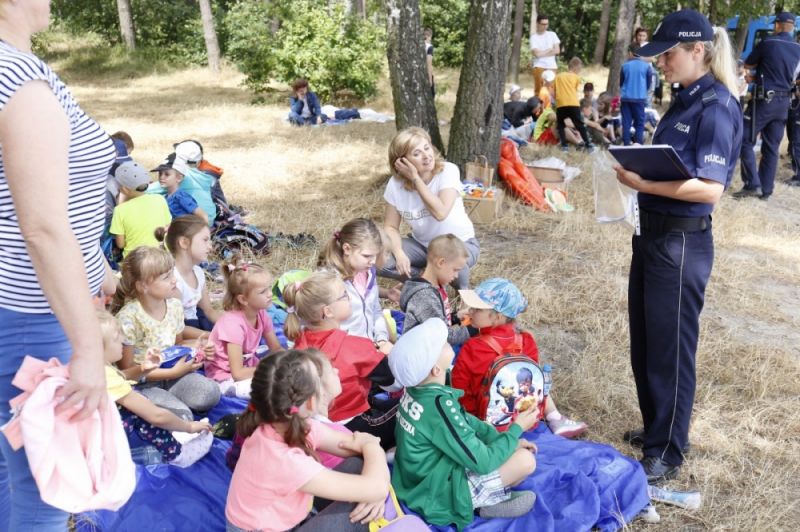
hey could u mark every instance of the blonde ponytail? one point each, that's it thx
(721, 62)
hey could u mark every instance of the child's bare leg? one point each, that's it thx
(517, 468)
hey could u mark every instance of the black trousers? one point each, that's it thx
(666, 290)
(574, 114)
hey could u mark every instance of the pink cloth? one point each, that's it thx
(360, 281)
(232, 328)
(265, 489)
(77, 465)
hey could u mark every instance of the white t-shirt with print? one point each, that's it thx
(544, 41)
(190, 297)
(424, 227)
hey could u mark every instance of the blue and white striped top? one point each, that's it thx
(91, 153)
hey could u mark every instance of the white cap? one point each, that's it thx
(416, 352)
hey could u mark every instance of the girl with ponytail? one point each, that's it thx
(317, 307)
(278, 473)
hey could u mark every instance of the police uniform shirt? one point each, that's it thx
(704, 126)
(778, 61)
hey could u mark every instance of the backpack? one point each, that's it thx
(513, 382)
(229, 238)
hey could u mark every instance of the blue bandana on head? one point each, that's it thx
(503, 296)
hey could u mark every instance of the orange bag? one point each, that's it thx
(519, 178)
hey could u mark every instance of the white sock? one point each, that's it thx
(555, 415)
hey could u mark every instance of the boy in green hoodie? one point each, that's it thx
(449, 463)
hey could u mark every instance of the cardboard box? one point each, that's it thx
(547, 175)
(484, 210)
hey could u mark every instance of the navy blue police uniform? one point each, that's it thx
(793, 132)
(671, 264)
(777, 62)
(673, 255)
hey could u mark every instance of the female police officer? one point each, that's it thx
(674, 252)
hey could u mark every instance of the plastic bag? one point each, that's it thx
(613, 201)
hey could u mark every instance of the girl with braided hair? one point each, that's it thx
(278, 473)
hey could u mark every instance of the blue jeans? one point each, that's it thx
(299, 120)
(41, 336)
(632, 112)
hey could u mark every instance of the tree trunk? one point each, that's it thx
(210, 35)
(602, 36)
(126, 23)
(740, 38)
(359, 9)
(534, 14)
(408, 69)
(519, 18)
(479, 105)
(627, 10)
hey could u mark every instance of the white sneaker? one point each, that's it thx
(567, 428)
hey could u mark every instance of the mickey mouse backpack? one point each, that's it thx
(512, 384)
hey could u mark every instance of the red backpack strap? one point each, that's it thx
(516, 347)
(491, 342)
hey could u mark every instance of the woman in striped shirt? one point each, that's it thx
(53, 166)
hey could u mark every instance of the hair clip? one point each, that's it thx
(244, 266)
(337, 235)
(251, 407)
(290, 310)
(293, 410)
(298, 285)
(231, 267)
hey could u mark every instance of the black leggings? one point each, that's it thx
(574, 114)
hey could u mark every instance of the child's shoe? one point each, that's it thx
(193, 447)
(520, 503)
(567, 427)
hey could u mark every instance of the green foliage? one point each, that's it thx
(449, 21)
(333, 51)
(172, 27)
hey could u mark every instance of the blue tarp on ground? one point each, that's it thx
(579, 485)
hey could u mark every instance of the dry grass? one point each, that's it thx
(574, 271)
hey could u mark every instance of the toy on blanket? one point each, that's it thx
(690, 500)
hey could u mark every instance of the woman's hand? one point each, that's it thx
(402, 264)
(406, 170)
(85, 391)
(629, 179)
(364, 512)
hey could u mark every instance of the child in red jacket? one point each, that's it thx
(317, 307)
(494, 305)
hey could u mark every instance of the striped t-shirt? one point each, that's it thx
(91, 153)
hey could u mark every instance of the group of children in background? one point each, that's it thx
(558, 115)
(320, 416)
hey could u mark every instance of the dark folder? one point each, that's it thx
(657, 162)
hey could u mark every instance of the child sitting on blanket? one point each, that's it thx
(240, 329)
(425, 297)
(279, 475)
(188, 239)
(151, 317)
(317, 308)
(449, 463)
(353, 251)
(140, 417)
(494, 305)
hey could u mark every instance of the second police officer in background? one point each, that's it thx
(777, 63)
(674, 252)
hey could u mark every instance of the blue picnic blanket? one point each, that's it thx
(580, 485)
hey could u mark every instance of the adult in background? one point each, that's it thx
(777, 62)
(545, 46)
(429, 58)
(674, 252)
(304, 105)
(635, 83)
(53, 171)
(425, 192)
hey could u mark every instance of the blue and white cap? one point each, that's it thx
(496, 294)
(686, 25)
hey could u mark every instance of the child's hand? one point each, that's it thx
(527, 419)
(184, 367)
(358, 441)
(201, 426)
(152, 360)
(385, 347)
(525, 444)
(204, 348)
(364, 512)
